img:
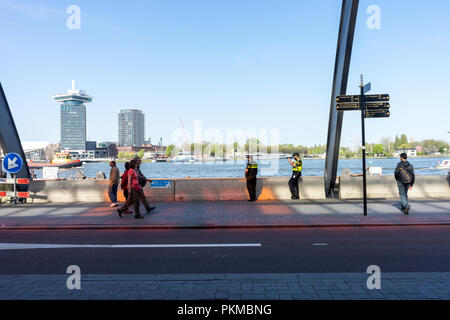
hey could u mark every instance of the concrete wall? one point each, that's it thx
(88, 190)
(236, 189)
(222, 189)
(213, 189)
(386, 187)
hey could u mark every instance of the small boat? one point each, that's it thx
(445, 164)
(182, 158)
(62, 160)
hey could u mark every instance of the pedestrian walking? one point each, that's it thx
(297, 166)
(142, 182)
(124, 184)
(251, 171)
(114, 180)
(404, 174)
(133, 188)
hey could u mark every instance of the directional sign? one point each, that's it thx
(12, 163)
(377, 97)
(377, 114)
(378, 106)
(369, 98)
(347, 99)
(347, 106)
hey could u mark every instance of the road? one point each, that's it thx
(290, 250)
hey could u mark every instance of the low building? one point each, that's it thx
(410, 152)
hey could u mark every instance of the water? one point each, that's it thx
(311, 167)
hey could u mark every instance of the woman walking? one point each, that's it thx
(133, 187)
(124, 184)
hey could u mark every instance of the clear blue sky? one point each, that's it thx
(230, 64)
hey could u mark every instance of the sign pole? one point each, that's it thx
(15, 188)
(363, 117)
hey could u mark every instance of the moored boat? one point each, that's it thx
(61, 160)
(445, 164)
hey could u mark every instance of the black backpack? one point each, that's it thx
(405, 176)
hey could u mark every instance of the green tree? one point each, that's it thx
(140, 154)
(169, 150)
(378, 149)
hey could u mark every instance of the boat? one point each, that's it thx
(183, 158)
(61, 160)
(445, 164)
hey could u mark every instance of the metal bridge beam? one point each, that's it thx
(9, 138)
(342, 65)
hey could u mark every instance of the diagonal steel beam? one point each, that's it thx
(342, 65)
(9, 138)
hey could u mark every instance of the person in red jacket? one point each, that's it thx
(133, 188)
(124, 184)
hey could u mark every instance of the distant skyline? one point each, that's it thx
(252, 64)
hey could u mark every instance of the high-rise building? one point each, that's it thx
(73, 118)
(131, 128)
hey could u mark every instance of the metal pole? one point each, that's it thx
(363, 117)
(15, 189)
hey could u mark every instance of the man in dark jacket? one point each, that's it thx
(142, 181)
(404, 174)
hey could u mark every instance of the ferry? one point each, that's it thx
(61, 160)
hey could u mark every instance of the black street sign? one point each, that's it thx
(377, 106)
(377, 114)
(371, 106)
(369, 98)
(377, 97)
(347, 106)
(347, 99)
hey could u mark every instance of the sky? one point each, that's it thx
(235, 64)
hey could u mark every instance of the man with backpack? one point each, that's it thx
(404, 174)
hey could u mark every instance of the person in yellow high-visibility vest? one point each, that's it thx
(251, 170)
(297, 166)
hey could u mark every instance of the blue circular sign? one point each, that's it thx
(12, 163)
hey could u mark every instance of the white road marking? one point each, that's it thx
(22, 246)
(320, 244)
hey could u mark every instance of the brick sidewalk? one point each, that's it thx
(227, 214)
(323, 286)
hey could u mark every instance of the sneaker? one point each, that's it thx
(151, 209)
(407, 209)
(115, 204)
(139, 217)
(120, 213)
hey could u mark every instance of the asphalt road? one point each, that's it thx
(394, 249)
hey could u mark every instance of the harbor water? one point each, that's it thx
(233, 169)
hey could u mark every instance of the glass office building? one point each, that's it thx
(130, 128)
(73, 119)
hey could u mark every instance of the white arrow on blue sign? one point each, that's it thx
(12, 163)
(367, 87)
